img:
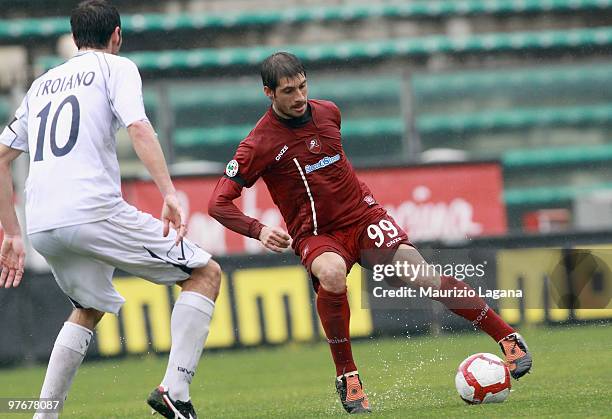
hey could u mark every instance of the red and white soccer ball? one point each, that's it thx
(483, 378)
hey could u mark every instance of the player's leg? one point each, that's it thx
(81, 279)
(473, 309)
(67, 355)
(333, 308)
(133, 242)
(190, 323)
(330, 270)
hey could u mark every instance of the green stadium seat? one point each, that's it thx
(232, 134)
(428, 124)
(547, 196)
(468, 82)
(349, 50)
(547, 157)
(251, 93)
(142, 23)
(433, 87)
(5, 111)
(515, 119)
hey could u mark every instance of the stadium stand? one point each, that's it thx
(350, 53)
(494, 78)
(24, 29)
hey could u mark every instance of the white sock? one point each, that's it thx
(66, 357)
(189, 328)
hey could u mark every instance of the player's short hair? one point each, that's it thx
(93, 23)
(278, 66)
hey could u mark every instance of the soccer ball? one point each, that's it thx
(483, 378)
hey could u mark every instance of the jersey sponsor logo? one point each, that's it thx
(231, 169)
(324, 162)
(280, 153)
(314, 145)
(369, 199)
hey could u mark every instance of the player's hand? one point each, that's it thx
(12, 261)
(173, 216)
(274, 238)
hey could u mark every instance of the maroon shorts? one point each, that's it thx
(374, 239)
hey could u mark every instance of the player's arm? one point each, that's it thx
(125, 90)
(148, 150)
(8, 216)
(222, 208)
(244, 170)
(12, 251)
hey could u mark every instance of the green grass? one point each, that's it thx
(572, 377)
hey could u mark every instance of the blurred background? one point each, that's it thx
(479, 124)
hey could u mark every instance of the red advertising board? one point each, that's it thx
(451, 201)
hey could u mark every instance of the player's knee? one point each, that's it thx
(86, 317)
(207, 279)
(333, 279)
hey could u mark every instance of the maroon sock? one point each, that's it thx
(474, 309)
(335, 316)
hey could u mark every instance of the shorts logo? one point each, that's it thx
(180, 254)
(392, 242)
(231, 169)
(324, 162)
(314, 145)
(305, 252)
(369, 199)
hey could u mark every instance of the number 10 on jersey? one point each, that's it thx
(74, 128)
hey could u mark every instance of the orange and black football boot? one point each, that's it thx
(518, 357)
(350, 390)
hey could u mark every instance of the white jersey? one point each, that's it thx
(67, 122)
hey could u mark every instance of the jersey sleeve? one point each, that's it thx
(337, 115)
(125, 90)
(222, 208)
(248, 164)
(15, 134)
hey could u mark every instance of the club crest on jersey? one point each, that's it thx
(314, 145)
(369, 199)
(231, 169)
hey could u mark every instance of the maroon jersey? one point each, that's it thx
(306, 171)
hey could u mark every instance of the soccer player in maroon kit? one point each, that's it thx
(296, 147)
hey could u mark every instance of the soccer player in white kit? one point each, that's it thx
(77, 218)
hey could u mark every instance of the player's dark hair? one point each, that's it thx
(278, 66)
(93, 23)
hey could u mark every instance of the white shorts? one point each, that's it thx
(83, 257)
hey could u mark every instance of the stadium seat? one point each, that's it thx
(426, 124)
(198, 137)
(251, 93)
(150, 22)
(544, 78)
(202, 59)
(515, 119)
(5, 110)
(550, 196)
(556, 157)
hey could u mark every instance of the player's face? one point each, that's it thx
(290, 97)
